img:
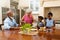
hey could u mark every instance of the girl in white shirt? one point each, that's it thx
(49, 22)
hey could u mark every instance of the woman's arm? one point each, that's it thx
(33, 19)
(22, 18)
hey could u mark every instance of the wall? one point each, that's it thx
(16, 0)
(41, 11)
(55, 11)
(0, 16)
(46, 10)
(23, 3)
(51, 4)
(3, 3)
(50, 0)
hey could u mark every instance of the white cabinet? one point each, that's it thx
(57, 26)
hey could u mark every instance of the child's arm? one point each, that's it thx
(45, 23)
(38, 26)
(54, 23)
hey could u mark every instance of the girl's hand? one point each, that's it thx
(53, 28)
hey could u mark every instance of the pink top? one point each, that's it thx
(28, 19)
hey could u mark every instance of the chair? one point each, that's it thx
(1, 26)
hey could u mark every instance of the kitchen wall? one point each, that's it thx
(51, 4)
(55, 11)
(0, 16)
(23, 3)
(3, 3)
(50, 0)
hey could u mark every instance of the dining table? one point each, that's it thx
(14, 34)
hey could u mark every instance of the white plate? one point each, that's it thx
(33, 29)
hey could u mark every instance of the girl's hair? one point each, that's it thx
(40, 17)
(45, 18)
(50, 13)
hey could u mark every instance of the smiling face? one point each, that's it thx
(40, 18)
(50, 15)
(29, 13)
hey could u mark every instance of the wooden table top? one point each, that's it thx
(14, 35)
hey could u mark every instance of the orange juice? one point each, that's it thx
(42, 28)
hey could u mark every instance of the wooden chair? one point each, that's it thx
(1, 26)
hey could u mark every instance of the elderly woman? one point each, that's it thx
(28, 18)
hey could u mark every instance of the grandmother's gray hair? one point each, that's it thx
(28, 10)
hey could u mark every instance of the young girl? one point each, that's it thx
(49, 21)
(40, 24)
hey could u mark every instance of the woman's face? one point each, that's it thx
(29, 13)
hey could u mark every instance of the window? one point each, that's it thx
(4, 10)
(34, 5)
